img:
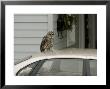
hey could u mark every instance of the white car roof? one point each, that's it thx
(65, 53)
(70, 52)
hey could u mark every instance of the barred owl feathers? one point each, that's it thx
(46, 43)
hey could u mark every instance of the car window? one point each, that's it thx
(46, 66)
(93, 67)
(72, 66)
(60, 67)
(26, 70)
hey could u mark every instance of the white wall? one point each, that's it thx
(28, 32)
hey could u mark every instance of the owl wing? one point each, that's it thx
(43, 44)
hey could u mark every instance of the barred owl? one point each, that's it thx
(47, 42)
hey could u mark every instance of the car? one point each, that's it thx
(65, 62)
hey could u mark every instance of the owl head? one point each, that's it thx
(50, 34)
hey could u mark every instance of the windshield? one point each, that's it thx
(63, 67)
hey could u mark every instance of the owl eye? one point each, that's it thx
(52, 33)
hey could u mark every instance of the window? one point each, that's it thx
(62, 67)
(27, 70)
(93, 67)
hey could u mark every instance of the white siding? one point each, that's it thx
(28, 40)
(26, 48)
(20, 55)
(28, 32)
(31, 26)
(31, 18)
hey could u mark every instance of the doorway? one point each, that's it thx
(90, 31)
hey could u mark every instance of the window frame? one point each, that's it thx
(26, 67)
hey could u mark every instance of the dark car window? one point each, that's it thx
(61, 67)
(27, 70)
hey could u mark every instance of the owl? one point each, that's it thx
(47, 42)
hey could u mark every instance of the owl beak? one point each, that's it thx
(52, 33)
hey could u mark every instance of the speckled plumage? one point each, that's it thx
(47, 42)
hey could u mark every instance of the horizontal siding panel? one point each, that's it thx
(31, 14)
(36, 26)
(27, 48)
(31, 18)
(27, 40)
(30, 29)
(29, 33)
(18, 56)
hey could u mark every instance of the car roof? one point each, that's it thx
(64, 53)
(70, 52)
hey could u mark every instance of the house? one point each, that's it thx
(30, 28)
